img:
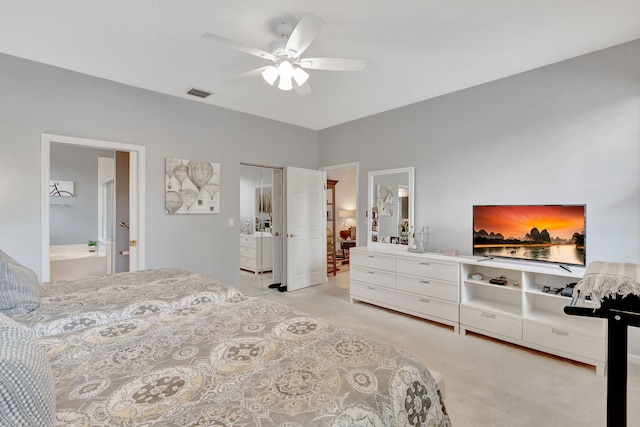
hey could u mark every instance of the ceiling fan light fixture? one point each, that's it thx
(285, 69)
(270, 75)
(300, 76)
(285, 83)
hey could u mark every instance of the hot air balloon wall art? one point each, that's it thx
(191, 187)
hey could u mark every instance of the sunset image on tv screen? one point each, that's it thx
(542, 233)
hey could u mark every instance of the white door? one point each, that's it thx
(306, 234)
(133, 212)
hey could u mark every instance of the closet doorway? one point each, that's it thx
(261, 228)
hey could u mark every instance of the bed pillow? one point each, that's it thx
(27, 394)
(19, 287)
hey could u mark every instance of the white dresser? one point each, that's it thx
(456, 291)
(256, 252)
(423, 285)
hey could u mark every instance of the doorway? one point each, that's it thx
(261, 224)
(346, 196)
(136, 175)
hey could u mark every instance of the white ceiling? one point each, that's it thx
(415, 49)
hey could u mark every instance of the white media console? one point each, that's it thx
(443, 289)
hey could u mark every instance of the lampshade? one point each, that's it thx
(285, 69)
(347, 214)
(300, 76)
(270, 75)
(285, 83)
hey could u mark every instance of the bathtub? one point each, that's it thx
(74, 261)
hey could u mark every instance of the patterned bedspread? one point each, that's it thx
(78, 304)
(167, 347)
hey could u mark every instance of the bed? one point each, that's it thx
(170, 348)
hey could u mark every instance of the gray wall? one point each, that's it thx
(74, 220)
(36, 99)
(566, 133)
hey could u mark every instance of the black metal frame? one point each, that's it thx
(620, 313)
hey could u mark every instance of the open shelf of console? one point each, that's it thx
(521, 313)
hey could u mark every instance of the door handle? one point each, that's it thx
(276, 234)
(291, 235)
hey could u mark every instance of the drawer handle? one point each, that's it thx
(371, 272)
(424, 263)
(371, 288)
(559, 332)
(488, 315)
(424, 300)
(425, 281)
(371, 256)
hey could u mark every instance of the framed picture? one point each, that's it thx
(191, 187)
(60, 188)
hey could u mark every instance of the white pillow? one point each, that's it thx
(27, 393)
(19, 287)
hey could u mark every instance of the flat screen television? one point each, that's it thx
(548, 233)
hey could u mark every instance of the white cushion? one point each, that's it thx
(27, 394)
(19, 287)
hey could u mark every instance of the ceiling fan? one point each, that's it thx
(288, 67)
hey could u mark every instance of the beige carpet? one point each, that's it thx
(488, 383)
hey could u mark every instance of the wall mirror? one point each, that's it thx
(391, 199)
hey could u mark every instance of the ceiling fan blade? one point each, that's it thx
(238, 46)
(333, 64)
(304, 34)
(249, 74)
(303, 90)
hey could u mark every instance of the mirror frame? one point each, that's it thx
(410, 171)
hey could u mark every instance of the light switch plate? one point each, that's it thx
(231, 222)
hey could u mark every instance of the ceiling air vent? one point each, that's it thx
(198, 92)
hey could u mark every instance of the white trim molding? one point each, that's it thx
(45, 167)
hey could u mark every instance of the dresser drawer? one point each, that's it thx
(248, 263)
(428, 268)
(373, 276)
(428, 306)
(371, 260)
(249, 242)
(491, 322)
(564, 340)
(428, 287)
(247, 252)
(372, 293)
